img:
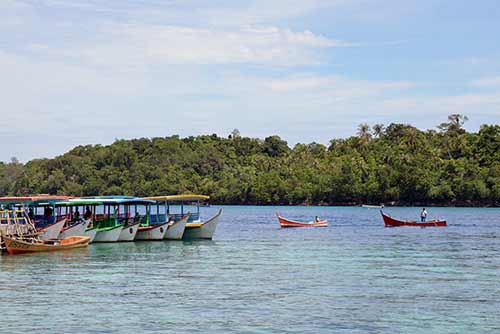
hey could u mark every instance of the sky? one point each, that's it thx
(76, 72)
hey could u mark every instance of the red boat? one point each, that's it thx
(391, 222)
(291, 223)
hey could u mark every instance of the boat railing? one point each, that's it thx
(178, 216)
(157, 218)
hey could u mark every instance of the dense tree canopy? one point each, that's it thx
(394, 163)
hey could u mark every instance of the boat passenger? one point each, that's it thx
(76, 215)
(30, 213)
(317, 220)
(423, 215)
(137, 217)
(87, 214)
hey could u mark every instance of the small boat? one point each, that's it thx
(202, 230)
(51, 231)
(366, 206)
(391, 222)
(291, 223)
(176, 228)
(129, 232)
(17, 246)
(77, 229)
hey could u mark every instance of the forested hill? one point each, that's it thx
(394, 163)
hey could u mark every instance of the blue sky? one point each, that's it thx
(87, 72)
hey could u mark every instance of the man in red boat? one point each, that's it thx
(317, 220)
(423, 215)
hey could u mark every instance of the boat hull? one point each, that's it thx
(51, 231)
(176, 229)
(91, 233)
(77, 229)
(291, 223)
(391, 222)
(108, 234)
(19, 247)
(152, 232)
(204, 230)
(129, 232)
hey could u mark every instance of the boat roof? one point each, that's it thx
(178, 198)
(79, 201)
(37, 200)
(117, 200)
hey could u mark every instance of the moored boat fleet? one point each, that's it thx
(45, 223)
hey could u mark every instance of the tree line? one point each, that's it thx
(381, 164)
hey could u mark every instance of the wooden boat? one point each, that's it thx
(202, 230)
(195, 228)
(152, 232)
(391, 222)
(16, 223)
(129, 232)
(292, 223)
(51, 231)
(77, 229)
(176, 228)
(113, 223)
(16, 246)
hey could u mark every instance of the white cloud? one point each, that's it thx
(141, 45)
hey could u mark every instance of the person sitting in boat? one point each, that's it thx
(31, 215)
(76, 215)
(423, 215)
(316, 219)
(88, 213)
(137, 217)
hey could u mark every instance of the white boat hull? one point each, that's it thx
(205, 231)
(77, 229)
(155, 233)
(111, 235)
(129, 232)
(176, 229)
(91, 233)
(51, 231)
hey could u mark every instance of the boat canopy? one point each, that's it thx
(38, 200)
(118, 200)
(179, 198)
(79, 202)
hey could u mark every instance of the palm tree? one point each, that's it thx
(364, 133)
(378, 130)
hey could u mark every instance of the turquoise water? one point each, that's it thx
(353, 277)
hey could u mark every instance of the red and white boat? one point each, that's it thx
(292, 223)
(152, 232)
(391, 222)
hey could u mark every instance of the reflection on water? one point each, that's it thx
(353, 277)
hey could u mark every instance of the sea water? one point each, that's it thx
(354, 276)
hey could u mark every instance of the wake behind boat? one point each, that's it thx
(292, 223)
(391, 222)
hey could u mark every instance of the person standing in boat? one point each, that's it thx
(423, 215)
